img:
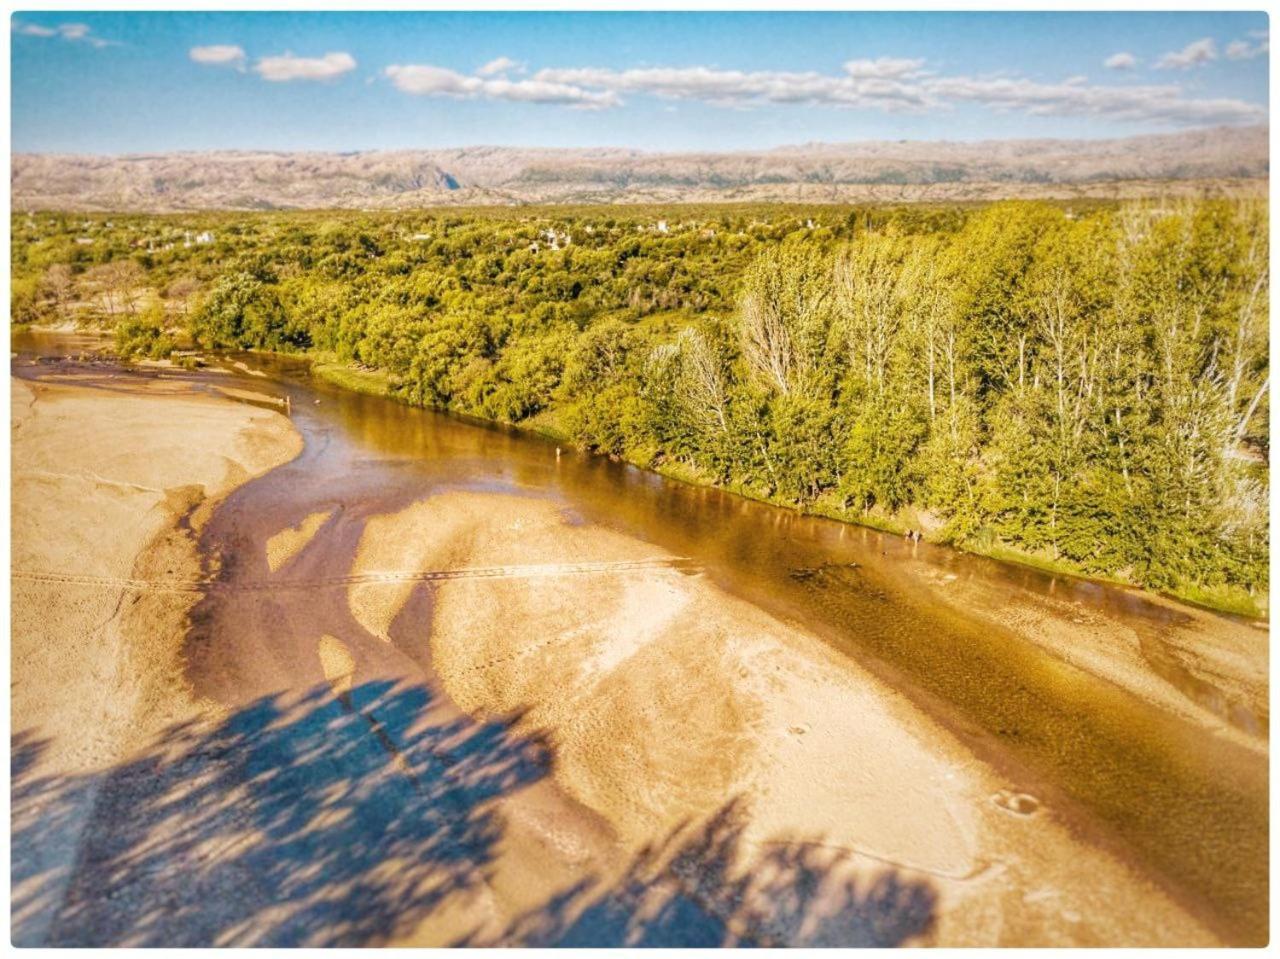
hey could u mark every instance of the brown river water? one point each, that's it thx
(1178, 801)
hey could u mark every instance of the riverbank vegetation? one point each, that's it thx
(1084, 385)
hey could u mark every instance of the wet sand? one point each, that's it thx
(1206, 667)
(405, 712)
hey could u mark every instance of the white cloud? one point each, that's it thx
(500, 65)
(287, 67)
(1158, 104)
(219, 54)
(1194, 54)
(737, 88)
(1120, 61)
(885, 84)
(33, 29)
(1244, 50)
(883, 67)
(426, 80)
(914, 91)
(71, 32)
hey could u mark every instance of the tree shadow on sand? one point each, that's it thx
(318, 820)
(309, 821)
(706, 886)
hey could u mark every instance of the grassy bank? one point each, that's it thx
(369, 382)
(1222, 599)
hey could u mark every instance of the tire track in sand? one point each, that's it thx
(520, 571)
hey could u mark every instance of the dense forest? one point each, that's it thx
(1081, 385)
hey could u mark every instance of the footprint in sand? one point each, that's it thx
(1017, 804)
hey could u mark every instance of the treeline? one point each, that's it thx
(1087, 385)
(1088, 389)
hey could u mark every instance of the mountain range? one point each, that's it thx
(1224, 158)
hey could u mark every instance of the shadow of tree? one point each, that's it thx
(316, 820)
(310, 821)
(706, 886)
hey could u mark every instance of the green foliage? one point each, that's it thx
(242, 311)
(879, 464)
(145, 335)
(23, 301)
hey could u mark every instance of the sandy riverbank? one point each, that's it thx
(666, 702)
(105, 477)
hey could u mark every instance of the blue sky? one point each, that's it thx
(139, 82)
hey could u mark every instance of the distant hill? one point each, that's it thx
(880, 170)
